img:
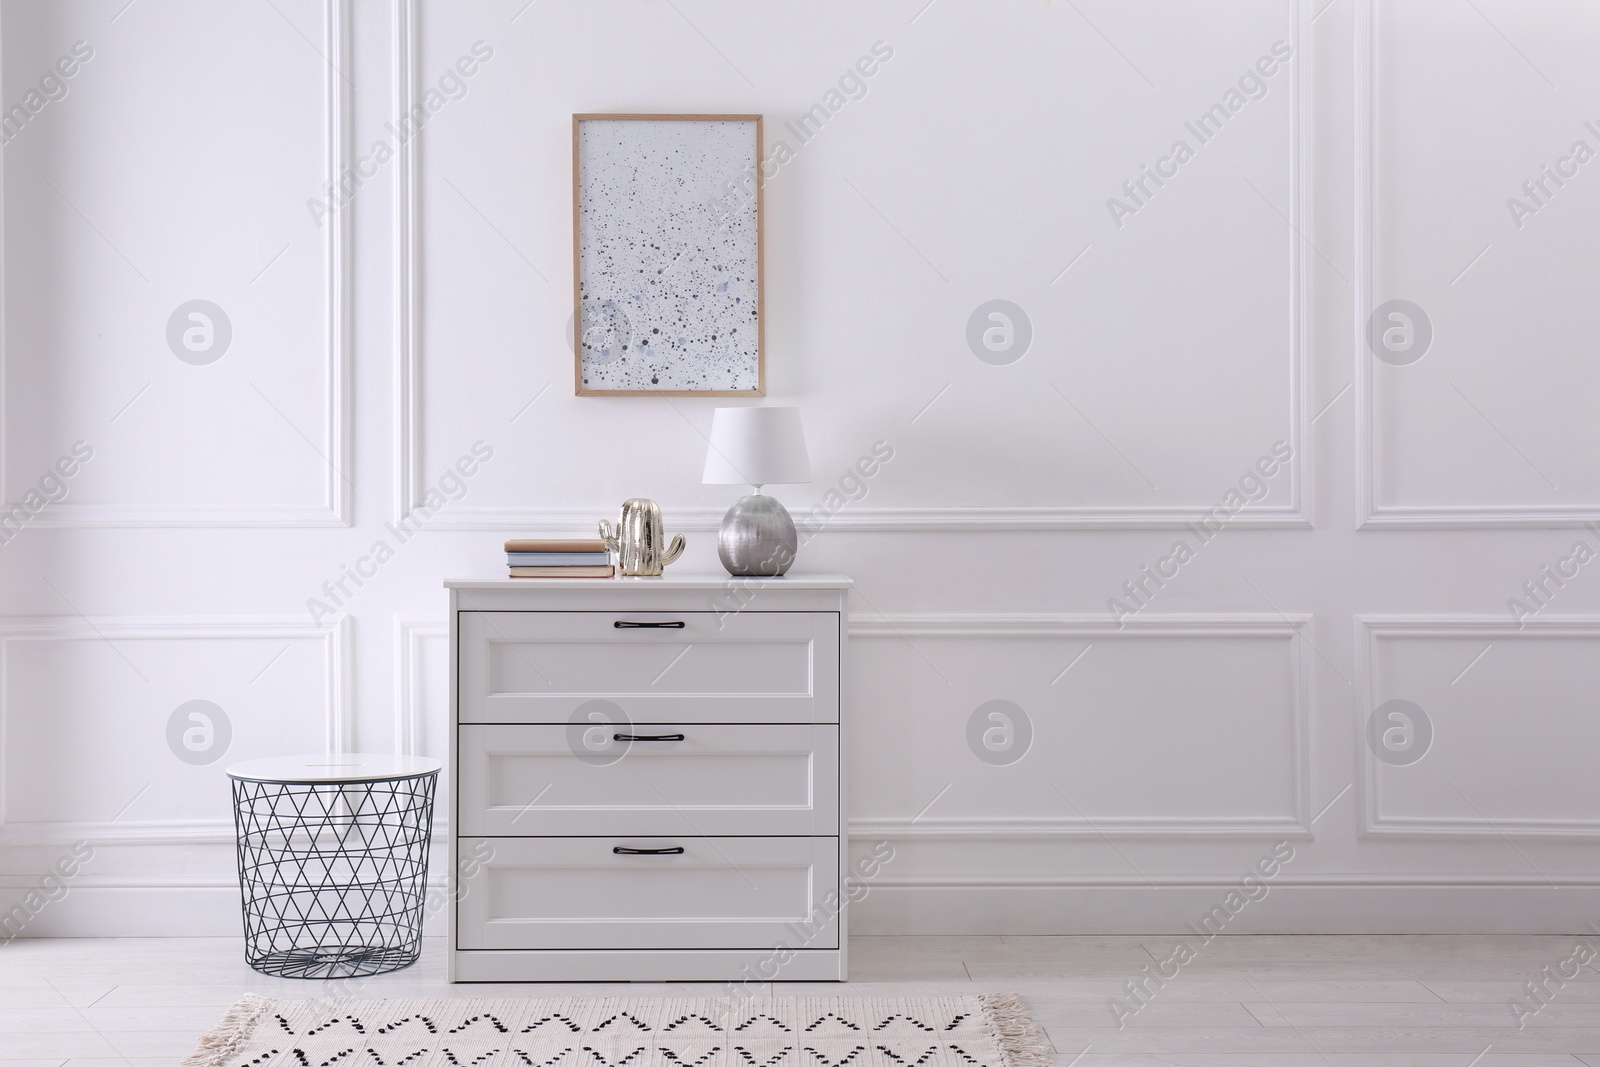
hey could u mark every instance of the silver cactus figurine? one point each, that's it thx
(639, 541)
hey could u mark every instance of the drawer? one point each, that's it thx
(720, 779)
(646, 666)
(717, 893)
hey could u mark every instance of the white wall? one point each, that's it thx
(1175, 343)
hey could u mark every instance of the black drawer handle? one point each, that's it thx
(623, 850)
(647, 737)
(621, 625)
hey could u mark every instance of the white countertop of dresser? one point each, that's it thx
(685, 581)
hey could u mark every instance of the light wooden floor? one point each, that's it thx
(1244, 1002)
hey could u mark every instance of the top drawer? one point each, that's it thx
(685, 666)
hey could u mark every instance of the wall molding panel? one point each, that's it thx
(334, 509)
(409, 633)
(1289, 628)
(1377, 820)
(406, 282)
(410, 416)
(1372, 514)
(1051, 624)
(881, 519)
(334, 641)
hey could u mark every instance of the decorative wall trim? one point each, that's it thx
(407, 410)
(408, 413)
(852, 519)
(1369, 630)
(164, 832)
(1092, 829)
(334, 510)
(68, 515)
(978, 624)
(1227, 879)
(1375, 516)
(338, 490)
(409, 632)
(1288, 627)
(1487, 517)
(335, 639)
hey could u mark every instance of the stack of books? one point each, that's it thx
(555, 558)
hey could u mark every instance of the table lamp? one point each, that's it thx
(756, 446)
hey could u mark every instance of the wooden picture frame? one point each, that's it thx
(620, 235)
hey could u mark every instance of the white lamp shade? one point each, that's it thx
(756, 446)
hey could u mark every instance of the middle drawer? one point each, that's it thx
(706, 779)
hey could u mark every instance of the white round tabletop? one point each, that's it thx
(348, 767)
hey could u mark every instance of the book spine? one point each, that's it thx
(576, 544)
(563, 572)
(558, 559)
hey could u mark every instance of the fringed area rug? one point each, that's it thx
(992, 1030)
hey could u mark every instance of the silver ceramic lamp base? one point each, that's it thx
(757, 538)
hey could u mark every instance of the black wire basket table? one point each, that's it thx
(333, 862)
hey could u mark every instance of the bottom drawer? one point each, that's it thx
(583, 893)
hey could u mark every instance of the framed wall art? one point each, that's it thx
(666, 249)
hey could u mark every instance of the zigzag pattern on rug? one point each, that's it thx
(992, 1030)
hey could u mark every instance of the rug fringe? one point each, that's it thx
(1021, 1042)
(217, 1047)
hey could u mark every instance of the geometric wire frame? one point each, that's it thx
(333, 875)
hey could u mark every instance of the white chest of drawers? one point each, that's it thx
(648, 779)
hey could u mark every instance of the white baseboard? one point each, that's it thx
(213, 911)
(1287, 909)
